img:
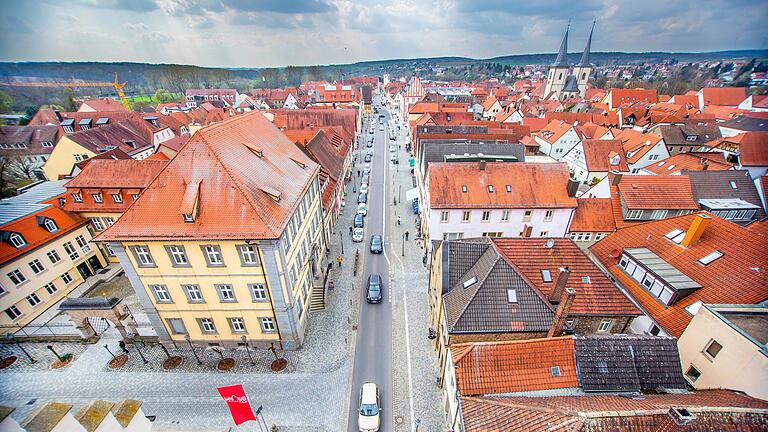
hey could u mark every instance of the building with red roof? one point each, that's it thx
(625, 97)
(592, 159)
(721, 96)
(95, 105)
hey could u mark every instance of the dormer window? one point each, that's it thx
(691, 137)
(85, 124)
(50, 225)
(464, 188)
(733, 184)
(509, 188)
(102, 121)
(76, 197)
(17, 240)
(134, 196)
(130, 143)
(189, 217)
(68, 125)
(490, 188)
(97, 198)
(117, 198)
(46, 144)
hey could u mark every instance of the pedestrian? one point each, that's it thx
(121, 344)
(398, 220)
(406, 235)
(339, 259)
(358, 173)
(350, 229)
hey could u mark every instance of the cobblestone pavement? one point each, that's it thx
(411, 280)
(41, 354)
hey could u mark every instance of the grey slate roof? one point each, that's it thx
(716, 185)
(585, 55)
(436, 150)
(570, 84)
(562, 53)
(482, 307)
(747, 124)
(30, 201)
(628, 363)
(677, 135)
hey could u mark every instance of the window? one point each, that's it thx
(490, 188)
(648, 280)
(465, 216)
(508, 188)
(634, 214)
(693, 374)
(176, 325)
(13, 312)
(17, 241)
(554, 371)
(161, 293)
(50, 225)
(605, 325)
(109, 221)
(655, 330)
(82, 243)
(134, 196)
(188, 217)
(36, 266)
(666, 295)
(546, 275)
(733, 184)
(659, 214)
(194, 295)
(17, 277)
(248, 255)
(66, 278)
(258, 292)
(505, 215)
(33, 299)
(226, 293)
(212, 255)
(237, 325)
(469, 282)
(267, 325)
(51, 288)
(511, 296)
(178, 256)
(549, 215)
(443, 216)
(712, 349)
(206, 325)
(143, 257)
(486, 216)
(70, 250)
(464, 188)
(97, 198)
(97, 225)
(117, 198)
(77, 197)
(543, 233)
(78, 158)
(586, 279)
(707, 258)
(527, 215)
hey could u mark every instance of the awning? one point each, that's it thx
(412, 194)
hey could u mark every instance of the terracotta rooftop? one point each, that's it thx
(637, 144)
(239, 163)
(123, 135)
(740, 275)
(727, 96)
(102, 105)
(593, 215)
(753, 149)
(656, 192)
(600, 155)
(531, 185)
(595, 293)
(689, 161)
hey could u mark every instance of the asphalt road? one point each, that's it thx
(373, 352)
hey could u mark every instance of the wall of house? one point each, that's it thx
(740, 365)
(450, 397)
(476, 227)
(590, 324)
(577, 164)
(643, 325)
(53, 273)
(654, 155)
(495, 337)
(62, 158)
(564, 144)
(103, 222)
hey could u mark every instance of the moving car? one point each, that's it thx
(357, 234)
(392, 148)
(362, 209)
(369, 408)
(370, 144)
(393, 157)
(381, 128)
(377, 246)
(373, 295)
(359, 221)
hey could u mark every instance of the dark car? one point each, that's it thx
(368, 158)
(376, 244)
(362, 198)
(370, 144)
(359, 221)
(375, 287)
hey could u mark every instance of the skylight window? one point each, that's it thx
(512, 296)
(661, 164)
(710, 257)
(469, 282)
(672, 234)
(586, 279)
(490, 188)
(733, 184)
(546, 276)
(464, 188)
(555, 371)
(669, 168)
(509, 188)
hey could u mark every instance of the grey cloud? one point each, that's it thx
(129, 5)
(281, 6)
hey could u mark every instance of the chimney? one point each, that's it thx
(704, 164)
(482, 165)
(559, 286)
(698, 225)
(572, 187)
(561, 314)
(616, 179)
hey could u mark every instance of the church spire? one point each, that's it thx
(585, 56)
(562, 55)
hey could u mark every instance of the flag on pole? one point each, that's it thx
(238, 403)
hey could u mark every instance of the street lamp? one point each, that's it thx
(403, 254)
(11, 338)
(141, 354)
(247, 349)
(186, 338)
(418, 422)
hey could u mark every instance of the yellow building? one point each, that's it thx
(224, 242)
(44, 254)
(724, 347)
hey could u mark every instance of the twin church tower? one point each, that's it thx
(563, 81)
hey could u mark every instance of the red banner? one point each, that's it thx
(238, 403)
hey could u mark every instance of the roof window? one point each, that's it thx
(710, 257)
(733, 184)
(509, 188)
(464, 188)
(490, 188)
(586, 279)
(555, 371)
(676, 235)
(469, 282)
(546, 275)
(512, 296)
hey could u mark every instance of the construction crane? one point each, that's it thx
(72, 84)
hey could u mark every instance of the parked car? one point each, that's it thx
(362, 209)
(392, 148)
(369, 408)
(393, 157)
(373, 294)
(370, 144)
(366, 179)
(362, 197)
(359, 221)
(358, 234)
(368, 158)
(381, 128)
(377, 246)
(366, 171)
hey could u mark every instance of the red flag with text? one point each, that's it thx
(238, 403)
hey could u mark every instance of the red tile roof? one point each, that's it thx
(657, 192)
(753, 149)
(599, 155)
(36, 235)
(514, 366)
(759, 227)
(533, 185)
(739, 276)
(554, 130)
(688, 161)
(597, 297)
(241, 164)
(102, 105)
(593, 215)
(687, 100)
(727, 96)
(623, 96)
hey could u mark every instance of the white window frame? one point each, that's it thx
(50, 225)
(549, 216)
(66, 278)
(444, 216)
(466, 216)
(51, 288)
(17, 240)
(213, 255)
(706, 348)
(226, 293)
(207, 325)
(17, 277)
(97, 224)
(76, 197)
(36, 266)
(605, 325)
(97, 198)
(117, 198)
(143, 256)
(33, 299)
(659, 214)
(193, 292)
(504, 216)
(486, 217)
(16, 313)
(634, 214)
(259, 292)
(267, 325)
(178, 256)
(161, 293)
(237, 324)
(249, 256)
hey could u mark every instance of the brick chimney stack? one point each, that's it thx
(557, 290)
(561, 314)
(482, 165)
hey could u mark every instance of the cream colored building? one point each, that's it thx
(224, 242)
(44, 254)
(724, 347)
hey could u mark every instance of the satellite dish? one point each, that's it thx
(550, 243)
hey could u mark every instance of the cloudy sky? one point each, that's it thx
(256, 33)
